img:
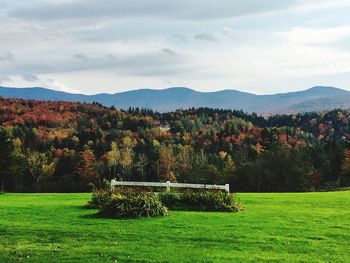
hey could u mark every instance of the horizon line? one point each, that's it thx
(174, 87)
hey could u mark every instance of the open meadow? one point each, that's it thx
(275, 227)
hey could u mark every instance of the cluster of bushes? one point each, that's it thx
(201, 201)
(99, 198)
(134, 205)
(126, 203)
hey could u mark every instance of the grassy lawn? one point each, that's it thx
(296, 227)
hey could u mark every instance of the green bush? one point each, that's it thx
(170, 199)
(133, 204)
(202, 201)
(99, 198)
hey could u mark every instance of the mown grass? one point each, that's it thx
(295, 227)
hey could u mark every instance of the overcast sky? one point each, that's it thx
(258, 46)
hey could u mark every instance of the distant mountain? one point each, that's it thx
(313, 99)
(321, 104)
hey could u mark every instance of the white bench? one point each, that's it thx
(168, 185)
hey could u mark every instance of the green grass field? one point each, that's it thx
(296, 227)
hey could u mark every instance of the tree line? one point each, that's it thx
(55, 146)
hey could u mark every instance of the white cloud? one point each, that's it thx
(4, 79)
(173, 9)
(324, 4)
(56, 85)
(315, 36)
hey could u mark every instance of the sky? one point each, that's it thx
(109, 46)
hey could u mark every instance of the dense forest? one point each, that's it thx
(54, 146)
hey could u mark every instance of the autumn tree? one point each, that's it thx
(141, 164)
(183, 165)
(113, 159)
(87, 169)
(345, 169)
(166, 164)
(126, 157)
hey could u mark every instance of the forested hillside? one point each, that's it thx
(65, 146)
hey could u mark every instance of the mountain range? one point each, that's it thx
(314, 99)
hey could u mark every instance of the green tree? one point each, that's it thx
(36, 163)
(12, 164)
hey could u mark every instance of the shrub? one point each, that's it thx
(202, 201)
(170, 199)
(99, 198)
(132, 204)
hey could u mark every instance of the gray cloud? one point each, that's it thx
(6, 56)
(110, 56)
(80, 56)
(174, 9)
(162, 62)
(206, 37)
(179, 37)
(169, 51)
(30, 77)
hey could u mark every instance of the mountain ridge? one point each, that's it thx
(170, 99)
